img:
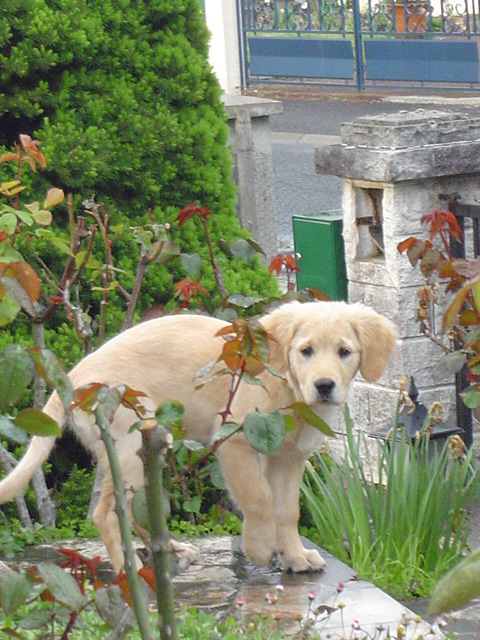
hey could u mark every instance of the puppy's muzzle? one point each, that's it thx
(325, 388)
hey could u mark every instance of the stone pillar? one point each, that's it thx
(394, 170)
(248, 118)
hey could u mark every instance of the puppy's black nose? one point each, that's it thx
(324, 387)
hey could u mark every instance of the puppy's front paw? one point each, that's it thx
(308, 560)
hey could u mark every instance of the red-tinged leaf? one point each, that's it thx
(186, 289)
(131, 400)
(77, 560)
(467, 268)
(276, 264)
(445, 268)
(122, 582)
(146, 573)
(416, 251)
(227, 330)
(406, 244)
(476, 296)
(290, 263)
(191, 209)
(26, 276)
(442, 222)
(31, 149)
(429, 261)
(254, 366)
(54, 196)
(231, 354)
(318, 295)
(468, 317)
(455, 306)
(9, 156)
(11, 633)
(86, 397)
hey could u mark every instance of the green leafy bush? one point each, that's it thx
(125, 105)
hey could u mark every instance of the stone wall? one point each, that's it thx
(395, 168)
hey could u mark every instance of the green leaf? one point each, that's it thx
(17, 293)
(44, 217)
(167, 252)
(191, 262)
(193, 504)
(471, 398)
(35, 619)
(37, 423)
(9, 254)
(290, 423)
(8, 223)
(63, 246)
(25, 217)
(14, 591)
(311, 418)
(62, 585)
(226, 430)
(241, 248)
(458, 586)
(16, 373)
(110, 604)
(169, 413)
(52, 371)
(193, 445)
(10, 431)
(9, 309)
(449, 365)
(264, 431)
(140, 507)
(216, 475)
(244, 302)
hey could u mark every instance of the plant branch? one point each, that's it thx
(138, 600)
(156, 440)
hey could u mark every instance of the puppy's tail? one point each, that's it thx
(36, 454)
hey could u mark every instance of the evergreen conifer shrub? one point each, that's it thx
(125, 106)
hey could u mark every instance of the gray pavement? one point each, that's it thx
(309, 122)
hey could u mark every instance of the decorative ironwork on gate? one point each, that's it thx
(412, 41)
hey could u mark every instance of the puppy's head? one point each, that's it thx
(320, 346)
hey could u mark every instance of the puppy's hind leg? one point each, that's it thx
(108, 526)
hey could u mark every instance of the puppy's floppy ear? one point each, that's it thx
(281, 324)
(377, 337)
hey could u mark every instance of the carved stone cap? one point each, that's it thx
(410, 129)
(408, 145)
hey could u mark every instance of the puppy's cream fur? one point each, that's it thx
(318, 346)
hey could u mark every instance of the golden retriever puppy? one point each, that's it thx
(317, 346)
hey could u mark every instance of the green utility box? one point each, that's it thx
(319, 253)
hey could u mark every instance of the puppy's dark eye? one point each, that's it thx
(306, 351)
(343, 352)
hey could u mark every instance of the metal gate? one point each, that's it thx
(414, 43)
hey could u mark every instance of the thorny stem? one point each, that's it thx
(216, 269)
(139, 604)
(155, 443)
(234, 385)
(137, 285)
